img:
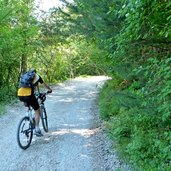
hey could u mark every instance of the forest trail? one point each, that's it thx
(75, 141)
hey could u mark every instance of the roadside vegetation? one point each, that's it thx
(128, 40)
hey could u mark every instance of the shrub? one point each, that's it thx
(137, 129)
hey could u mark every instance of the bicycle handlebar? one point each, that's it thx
(42, 96)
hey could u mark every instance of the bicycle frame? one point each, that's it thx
(30, 114)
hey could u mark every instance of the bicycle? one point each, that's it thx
(27, 123)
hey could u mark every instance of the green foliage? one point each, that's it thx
(112, 100)
(157, 87)
(140, 134)
(12, 44)
(84, 60)
(128, 40)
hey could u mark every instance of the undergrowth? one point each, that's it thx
(137, 129)
(7, 96)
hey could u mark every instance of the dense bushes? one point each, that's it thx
(136, 102)
(139, 120)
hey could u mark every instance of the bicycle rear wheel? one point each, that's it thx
(44, 119)
(24, 133)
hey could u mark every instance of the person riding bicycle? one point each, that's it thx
(26, 94)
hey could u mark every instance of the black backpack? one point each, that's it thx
(27, 78)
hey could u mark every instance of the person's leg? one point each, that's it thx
(35, 105)
(37, 119)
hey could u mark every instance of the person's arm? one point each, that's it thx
(47, 87)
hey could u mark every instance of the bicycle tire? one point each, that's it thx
(24, 129)
(44, 119)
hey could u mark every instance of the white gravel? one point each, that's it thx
(75, 141)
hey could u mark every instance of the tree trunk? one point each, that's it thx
(23, 65)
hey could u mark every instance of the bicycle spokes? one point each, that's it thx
(24, 133)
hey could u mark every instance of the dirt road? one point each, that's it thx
(75, 141)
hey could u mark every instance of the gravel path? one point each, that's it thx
(75, 141)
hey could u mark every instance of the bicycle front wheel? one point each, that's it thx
(24, 133)
(44, 119)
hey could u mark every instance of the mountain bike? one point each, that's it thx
(27, 123)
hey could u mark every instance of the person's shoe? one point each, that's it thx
(38, 133)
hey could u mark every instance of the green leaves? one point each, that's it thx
(16, 37)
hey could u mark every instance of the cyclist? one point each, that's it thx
(26, 94)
